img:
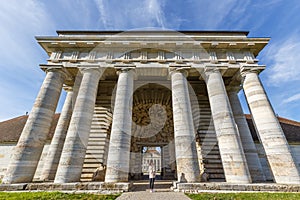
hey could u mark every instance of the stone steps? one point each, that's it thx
(97, 148)
(92, 160)
(215, 171)
(88, 169)
(209, 144)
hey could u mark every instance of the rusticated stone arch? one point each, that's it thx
(152, 115)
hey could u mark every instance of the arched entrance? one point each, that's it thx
(152, 127)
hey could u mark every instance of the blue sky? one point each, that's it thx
(21, 20)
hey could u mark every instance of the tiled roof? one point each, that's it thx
(11, 130)
(290, 128)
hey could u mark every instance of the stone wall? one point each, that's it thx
(295, 149)
(5, 153)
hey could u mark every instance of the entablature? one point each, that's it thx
(170, 40)
(153, 52)
(146, 55)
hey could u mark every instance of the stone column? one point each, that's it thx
(119, 146)
(57, 143)
(249, 147)
(269, 130)
(27, 153)
(74, 150)
(184, 131)
(231, 150)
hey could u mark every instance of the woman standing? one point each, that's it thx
(152, 174)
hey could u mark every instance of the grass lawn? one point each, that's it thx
(248, 196)
(53, 195)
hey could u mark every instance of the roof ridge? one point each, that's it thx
(280, 119)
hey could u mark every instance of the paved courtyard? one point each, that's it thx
(142, 195)
(162, 191)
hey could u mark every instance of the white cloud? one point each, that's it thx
(156, 10)
(131, 14)
(102, 11)
(20, 21)
(285, 58)
(20, 76)
(293, 98)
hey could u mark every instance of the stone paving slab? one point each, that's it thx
(155, 195)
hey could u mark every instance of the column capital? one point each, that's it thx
(56, 68)
(180, 68)
(124, 68)
(214, 68)
(244, 70)
(209, 69)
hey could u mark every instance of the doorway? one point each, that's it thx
(151, 153)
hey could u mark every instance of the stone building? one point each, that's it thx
(175, 90)
(10, 131)
(153, 154)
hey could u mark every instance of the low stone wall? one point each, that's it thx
(100, 187)
(259, 187)
(113, 188)
(5, 153)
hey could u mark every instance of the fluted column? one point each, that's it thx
(74, 150)
(184, 131)
(57, 143)
(269, 130)
(249, 147)
(27, 153)
(231, 150)
(120, 139)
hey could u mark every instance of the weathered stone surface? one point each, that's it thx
(119, 146)
(27, 153)
(74, 150)
(270, 133)
(231, 150)
(56, 146)
(157, 53)
(13, 187)
(57, 142)
(74, 187)
(184, 132)
(250, 150)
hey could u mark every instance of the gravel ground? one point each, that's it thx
(144, 195)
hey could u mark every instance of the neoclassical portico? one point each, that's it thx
(118, 83)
